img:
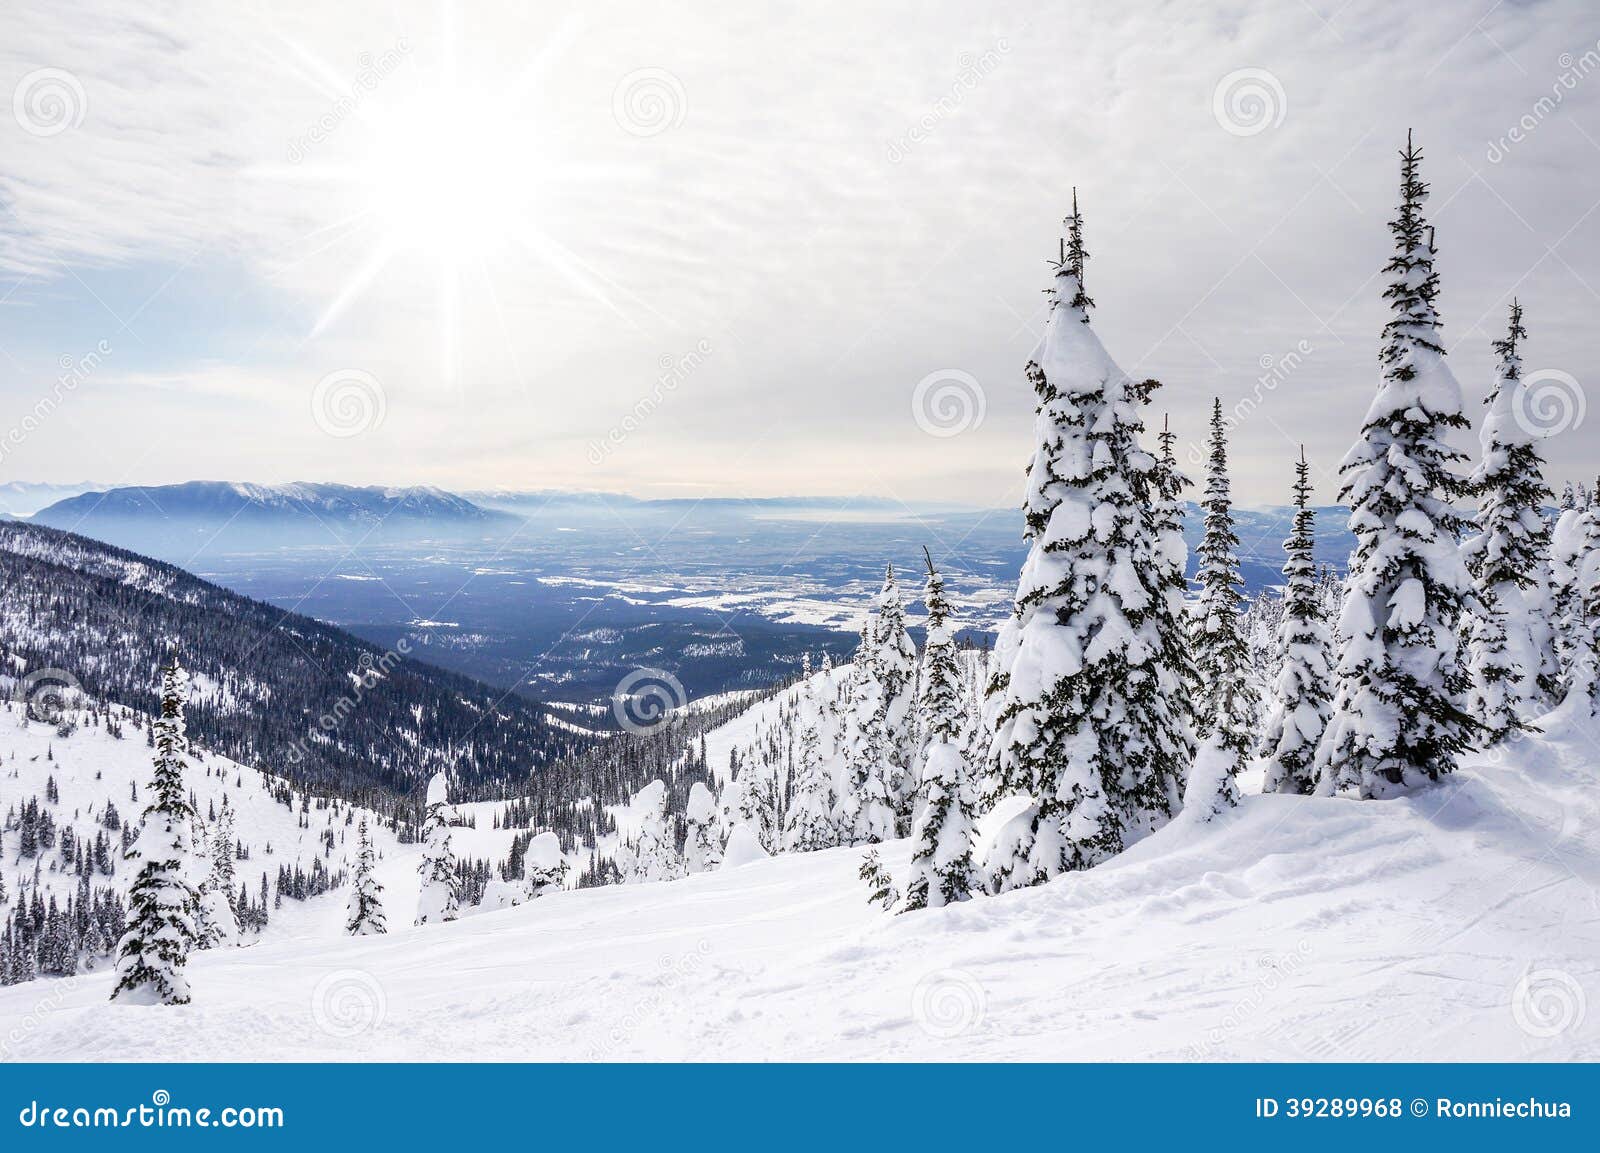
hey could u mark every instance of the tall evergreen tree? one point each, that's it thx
(941, 858)
(218, 921)
(1076, 683)
(363, 915)
(896, 666)
(437, 900)
(1172, 558)
(1575, 562)
(162, 902)
(1299, 708)
(1510, 649)
(1227, 706)
(1397, 720)
(866, 811)
(810, 822)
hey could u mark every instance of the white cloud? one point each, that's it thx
(838, 198)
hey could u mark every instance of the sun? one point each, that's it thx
(449, 176)
(449, 172)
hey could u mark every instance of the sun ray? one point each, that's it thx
(358, 283)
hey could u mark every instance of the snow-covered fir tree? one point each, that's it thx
(437, 900)
(219, 921)
(655, 854)
(896, 667)
(363, 911)
(811, 809)
(702, 842)
(1076, 693)
(162, 902)
(880, 885)
(865, 812)
(1299, 706)
(942, 869)
(544, 866)
(1510, 647)
(1575, 567)
(1397, 719)
(1181, 677)
(1227, 707)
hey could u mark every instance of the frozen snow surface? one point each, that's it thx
(1458, 923)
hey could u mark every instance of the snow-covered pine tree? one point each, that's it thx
(1169, 724)
(1227, 708)
(865, 811)
(363, 914)
(162, 902)
(655, 850)
(1575, 567)
(219, 922)
(437, 900)
(880, 885)
(702, 843)
(1510, 649)
(941, 857)
(896, 667)
(544, 866)
(1397, 719)
(1299, 705)
(811, 822)
(1076, 691)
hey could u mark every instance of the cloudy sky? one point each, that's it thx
(773, 248)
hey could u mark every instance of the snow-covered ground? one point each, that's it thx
(92, 768)
(1460, 923)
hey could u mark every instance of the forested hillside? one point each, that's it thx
(272, 689)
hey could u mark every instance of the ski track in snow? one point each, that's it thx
(1460, 923)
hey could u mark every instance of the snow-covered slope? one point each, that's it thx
(91, 769)
(1459, 923)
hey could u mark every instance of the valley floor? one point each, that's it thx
(1458, 924)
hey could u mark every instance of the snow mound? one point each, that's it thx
(743, 847)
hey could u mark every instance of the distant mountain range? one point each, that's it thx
(180, 519)
(24, 498)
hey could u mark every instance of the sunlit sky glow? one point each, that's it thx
(674, 249)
